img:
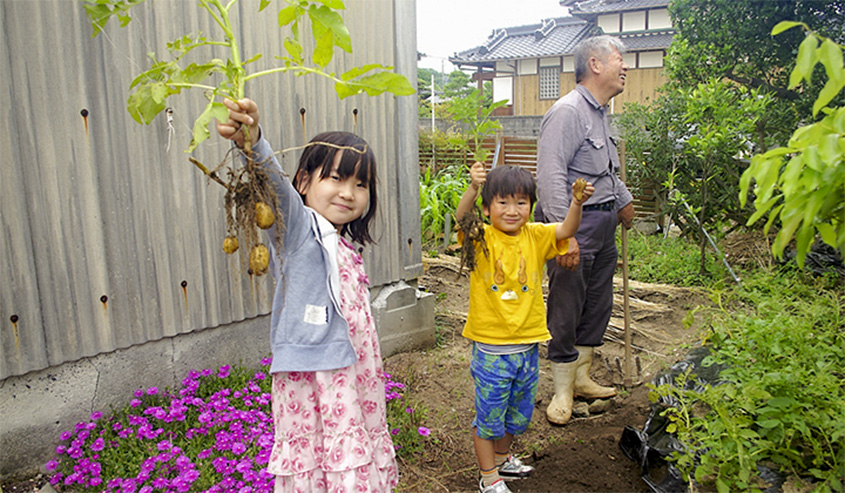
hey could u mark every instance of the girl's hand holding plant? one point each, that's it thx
(241, 112)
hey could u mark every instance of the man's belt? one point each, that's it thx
(604, 206)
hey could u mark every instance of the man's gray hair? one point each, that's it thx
(599, 47)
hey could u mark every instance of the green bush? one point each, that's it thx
(781, 399)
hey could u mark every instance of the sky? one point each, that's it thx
(445, 27)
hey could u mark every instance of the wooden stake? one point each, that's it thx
(628, 382)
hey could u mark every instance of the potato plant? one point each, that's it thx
(250, 201)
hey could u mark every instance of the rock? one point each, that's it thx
(599, 406)
(581, 410)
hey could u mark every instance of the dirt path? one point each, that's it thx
(584, 455)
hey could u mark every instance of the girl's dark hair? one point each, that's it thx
(360, 162)
(506, 180)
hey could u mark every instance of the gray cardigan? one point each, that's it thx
(307, 330)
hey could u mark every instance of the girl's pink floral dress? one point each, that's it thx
(331, 426)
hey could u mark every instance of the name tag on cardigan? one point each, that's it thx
(316, 315)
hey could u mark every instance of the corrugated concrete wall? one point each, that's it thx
(111, 268)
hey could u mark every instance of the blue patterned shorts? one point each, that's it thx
(505, 391)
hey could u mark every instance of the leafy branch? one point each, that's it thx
(805, 194)
(165, 78)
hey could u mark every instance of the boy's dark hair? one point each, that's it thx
(507, 180)
(360, 162)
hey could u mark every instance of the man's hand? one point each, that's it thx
(571, 258)
(243, 112)
(626, 215)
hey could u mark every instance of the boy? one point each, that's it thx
(507, 318)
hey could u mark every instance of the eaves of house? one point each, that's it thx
(558, 36)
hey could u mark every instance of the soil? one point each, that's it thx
(582, 456)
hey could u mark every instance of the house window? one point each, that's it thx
(549, 82)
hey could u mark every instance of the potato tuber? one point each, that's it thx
(230, 244)
(264, 216)
(259, 259)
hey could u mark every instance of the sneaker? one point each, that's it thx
(513, 468)
(497, 487)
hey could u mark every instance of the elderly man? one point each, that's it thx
(575, 142)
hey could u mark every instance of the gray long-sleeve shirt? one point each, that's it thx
(575, 141)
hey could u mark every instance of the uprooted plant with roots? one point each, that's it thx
(250, 202)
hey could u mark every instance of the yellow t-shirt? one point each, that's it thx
(506, 287)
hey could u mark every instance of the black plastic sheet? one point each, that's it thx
(651, 446)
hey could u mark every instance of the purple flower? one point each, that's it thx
(224, 371)
(152, 391)
(134, 403)
(422, 430)
(96, 415)
(65, 435)
(99, 444)
(409, 410)
(51, 466)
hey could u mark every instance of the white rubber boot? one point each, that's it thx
(584, 385)
(560, 409)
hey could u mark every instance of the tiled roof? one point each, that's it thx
(551, 38)
(603, 6)
(645, 40)
(554, 37)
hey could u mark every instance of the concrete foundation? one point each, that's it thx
(37, 407)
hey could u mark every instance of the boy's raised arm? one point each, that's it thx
(478, 175)
(570, 224)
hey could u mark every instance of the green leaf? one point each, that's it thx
(201, 132)
(323, 49)
(287, 15)
(830, 55)
(827, 233)
(333, 4)
(375, 84)
(263, 5)
(828, 92)
(147, 101)
(805, 62)
(769, 423)
(294, 49)
(784, 25)
(324, 18)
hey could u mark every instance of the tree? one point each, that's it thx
(690, 141)
(458, 85)
(804, 195)
(731, 39)
(424, 77)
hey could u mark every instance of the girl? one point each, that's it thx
(329, 405)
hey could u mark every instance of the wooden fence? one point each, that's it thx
(522, 151)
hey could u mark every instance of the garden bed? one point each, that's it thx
(584, 455)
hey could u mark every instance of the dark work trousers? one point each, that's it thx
(580, 302)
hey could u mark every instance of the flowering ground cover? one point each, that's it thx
(213, 434)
